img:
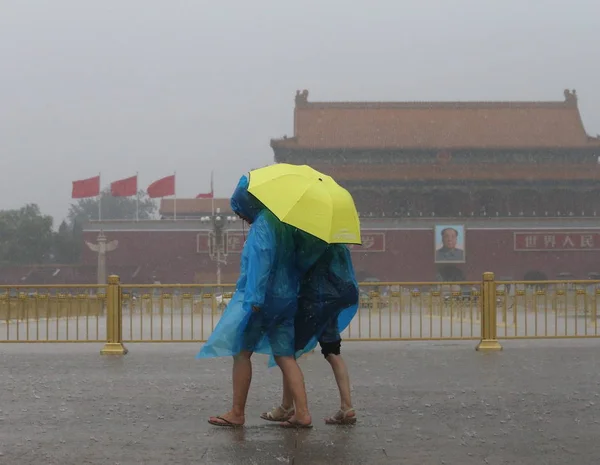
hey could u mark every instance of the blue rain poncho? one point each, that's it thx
(328, 291)
(268, 282)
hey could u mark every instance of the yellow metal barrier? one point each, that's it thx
(547, 309)
(392, 311)
(52, 313)
(488, 316)
(388, 311)
(172, 313)
(114, 319)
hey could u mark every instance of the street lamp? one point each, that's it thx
(216, 239)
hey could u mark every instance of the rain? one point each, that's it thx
(468, 137)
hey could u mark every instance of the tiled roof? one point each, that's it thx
(460, 172)
(193, 206)
(437, 125)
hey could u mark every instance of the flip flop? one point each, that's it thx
(342, 418)
(223, 423)
(295, 425)
(272, 415)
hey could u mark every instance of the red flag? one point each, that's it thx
(85, 188)
(162, 188)
(211, 194)
(124, 187)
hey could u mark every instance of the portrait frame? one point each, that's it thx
(461, 240)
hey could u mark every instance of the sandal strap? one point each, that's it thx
(286, 412)
(342, 417)
(344, 413)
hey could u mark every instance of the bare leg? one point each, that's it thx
(342, 378)
(294, 380)
(346, 415)
(285, 410)
(242, 377)
(288, 399)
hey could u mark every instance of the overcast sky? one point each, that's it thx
(157, 86)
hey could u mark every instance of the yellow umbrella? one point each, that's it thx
(309, 200)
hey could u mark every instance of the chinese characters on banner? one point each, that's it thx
(545, 241)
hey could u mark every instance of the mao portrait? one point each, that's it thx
(449, 243)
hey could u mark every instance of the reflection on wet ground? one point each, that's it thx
(424, 403)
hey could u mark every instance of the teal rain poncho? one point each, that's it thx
(328, 291)
(268, 280)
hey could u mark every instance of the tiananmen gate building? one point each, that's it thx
(445, 191)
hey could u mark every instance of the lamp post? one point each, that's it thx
(216, 239)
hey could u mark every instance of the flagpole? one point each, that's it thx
(100, 196)
(137, 198)
(175, 194)
(212, 191)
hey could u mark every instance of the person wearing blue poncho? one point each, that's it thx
(260, 315)
(327, 302)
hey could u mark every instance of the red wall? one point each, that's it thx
(167, 256)
(409, 256)
(172, 257)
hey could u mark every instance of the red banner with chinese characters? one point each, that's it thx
(547, 241)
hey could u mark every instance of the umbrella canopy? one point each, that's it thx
(309, 200)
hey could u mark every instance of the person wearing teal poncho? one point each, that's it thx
(327, 302)
(260, 315)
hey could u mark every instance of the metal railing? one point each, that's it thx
(417, 311)
(387, 311)
(172, 313)
(547, 309)
(53, 313)
(486, 311)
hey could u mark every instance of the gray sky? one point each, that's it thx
(120, 86)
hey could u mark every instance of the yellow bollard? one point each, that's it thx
(488, 342)
(114, 319)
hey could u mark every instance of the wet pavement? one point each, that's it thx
(418, 403)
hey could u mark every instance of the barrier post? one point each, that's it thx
(488, 342)
(114, 319)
